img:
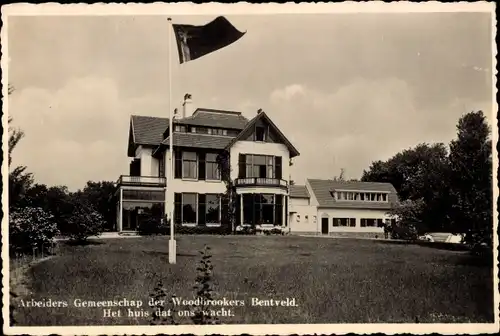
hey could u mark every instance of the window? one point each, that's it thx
(369, 222)
(384, 197)
(193, 129)
(179, 128)
(144, 195)
(189, 208)
(212, 168)
(306, 219)
(260, 166)
(189, 165)
(266, 205)
(161, 166)
(212, 212)
(260, 133)
(298, 218)
(218, 131)
(314, 219)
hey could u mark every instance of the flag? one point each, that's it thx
(197, 41)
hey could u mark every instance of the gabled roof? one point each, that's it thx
(197, 140)
(215, 118)
(322, 191)
(148, 130)
(262, 115)
(299, 191)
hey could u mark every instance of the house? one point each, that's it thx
(343, 208)
(259, 157)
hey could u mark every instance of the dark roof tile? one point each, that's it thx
(199, 140)
(299, 191)
(148, 130)
(322, 188)
(215, 118)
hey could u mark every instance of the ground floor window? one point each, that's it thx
(264, 209)
(135, 213)
(210, 209)
(350, 222)
(197, 209)
(372, 222)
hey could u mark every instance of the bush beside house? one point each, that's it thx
(31, 228)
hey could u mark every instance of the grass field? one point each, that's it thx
(332, 280)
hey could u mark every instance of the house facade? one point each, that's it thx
(258, 155)
(342, 208)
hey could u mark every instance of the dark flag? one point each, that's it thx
(196, 41)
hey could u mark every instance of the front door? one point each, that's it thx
(324, 225)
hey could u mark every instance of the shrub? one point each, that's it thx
(84, 222)
(245, 230)
(217, 230)
(154, 226)
(203, 290)
(31, 228)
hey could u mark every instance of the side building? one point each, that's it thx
(341, 208)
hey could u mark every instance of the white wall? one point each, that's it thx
(260, 148)
(352, 213)
(302, 215)
(189, 186)
(149, 164)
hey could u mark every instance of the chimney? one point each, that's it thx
(187, 106)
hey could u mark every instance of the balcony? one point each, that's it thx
(260, 182)
(149, 181)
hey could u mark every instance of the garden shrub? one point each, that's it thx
(154, 226)
(31, 228)
(83, 223)
(245, 230)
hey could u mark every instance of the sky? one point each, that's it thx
(346, 89)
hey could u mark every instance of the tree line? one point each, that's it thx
(445, 188)
(440, 188)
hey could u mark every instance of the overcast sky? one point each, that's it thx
(346, 89)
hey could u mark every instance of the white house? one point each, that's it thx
(345, 208)
(259, 155)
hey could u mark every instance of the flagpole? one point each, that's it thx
(172, 249)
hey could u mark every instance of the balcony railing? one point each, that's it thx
(142, 180)
(260, 181)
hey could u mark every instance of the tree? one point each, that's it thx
(471, 177)
(230, 197)
(101, 196)
(83, 222)
(19, 183)
(341, 176)
(419, 173)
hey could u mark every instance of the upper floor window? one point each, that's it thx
(259, 166)
(212, 167)
(189, 165)
(260, 133)
(180, 128)
(193, 129)
(360, 196)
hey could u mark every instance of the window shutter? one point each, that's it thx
(201, 166)
(286, 210)
(201, 209)
(177, 208)
(238, 210)
(242, 171)
(278, 210)
(178, 164)
(278, 167)
(225, 209)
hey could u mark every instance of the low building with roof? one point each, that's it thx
(343, 208)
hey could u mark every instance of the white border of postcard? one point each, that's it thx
(232, 9)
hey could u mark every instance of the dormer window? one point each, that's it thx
(179, 128)
(260, 133)
(193, 129)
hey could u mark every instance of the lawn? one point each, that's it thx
(331, 280)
